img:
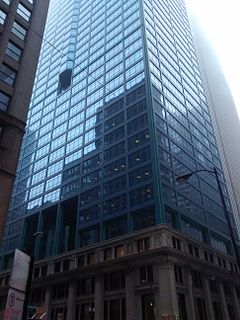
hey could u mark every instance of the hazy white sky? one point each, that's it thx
(221, 20)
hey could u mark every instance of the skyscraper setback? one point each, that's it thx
(118, 111)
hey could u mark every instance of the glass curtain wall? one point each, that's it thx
(118, 99)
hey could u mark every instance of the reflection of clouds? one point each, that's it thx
(52, 196)
(34, 204)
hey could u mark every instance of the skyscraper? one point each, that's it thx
(21, 30)
(224, 114)
(119, 111)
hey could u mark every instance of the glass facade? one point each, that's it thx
(118, 111)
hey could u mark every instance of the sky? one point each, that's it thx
(221, 21)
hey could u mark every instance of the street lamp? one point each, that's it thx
(185, 177)
(30, 273)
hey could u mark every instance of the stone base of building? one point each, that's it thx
(156, 274)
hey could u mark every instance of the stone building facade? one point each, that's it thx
(149, 275)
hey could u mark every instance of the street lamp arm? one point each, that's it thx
(185, 177)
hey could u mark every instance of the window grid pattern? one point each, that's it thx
(183, 125)
(97, 127)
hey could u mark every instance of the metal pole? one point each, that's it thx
(28, 288)
(30, 273)
(235, 247)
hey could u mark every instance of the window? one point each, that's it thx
(227, 289)
(141, 195)
(178, 274)
(115, 309)
(19, 31)
(143, 244)
(115, 185)
(89, 214)
(91, 179)
(108, 254)
(115, 228)
(143, 218)
(64, 80)
(59, 313)
(23, 12)
(213, 285)
(146, 274)
(13, 51)
(114, 205)
(200, 309)
(91, 258)
(90, 195)
(182, 307)
(192, 230)
(89, 236)
(193, 251)
(86, 286)
(148, 306)
(60, 291)
(57, 267)
(219, 244)
(2, 17)
(37, 296)
(217, 310)
(135, 95)
(81, 261)
(36, 273)
(7, 74)
(91, 163)
(1, 133)
(114, 281)
(176, 243)
(4, 101)
(206, 257)
(138, 140)
(231, 312)
(119, 251)
(115, 167)
(196, 279)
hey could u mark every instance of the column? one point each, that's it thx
(236, 304)
(166, 298)
(189, 298)
(132, 310)
(208, 299)
(223, 302)
(98, 298)
(71, 303)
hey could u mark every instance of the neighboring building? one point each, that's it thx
(21, 29)
(119, 111)
(224, 115)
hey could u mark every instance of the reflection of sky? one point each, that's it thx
(65, 124)
(220, 19)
